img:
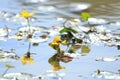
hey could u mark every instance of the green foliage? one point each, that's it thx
(54, 60)
(54, 46)
(74, 48)
(85, 49)
(9, 66)
(85, 16)
(67, 30)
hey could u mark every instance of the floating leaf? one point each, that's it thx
(67, 30)
(85, 49)
(9, 66)
(85, 16)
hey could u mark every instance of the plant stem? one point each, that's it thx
(29, 46)
(28, 25)
(5, 71)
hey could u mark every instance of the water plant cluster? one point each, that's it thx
(70, 40)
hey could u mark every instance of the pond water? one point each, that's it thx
(100, 59)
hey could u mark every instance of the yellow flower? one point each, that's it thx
(56, 40)
(55, 44)
(24, 59)
(26, 14)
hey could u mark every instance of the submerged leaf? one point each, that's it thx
(85, 16)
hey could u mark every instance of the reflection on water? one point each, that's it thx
(81, 47)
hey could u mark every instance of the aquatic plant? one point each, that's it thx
(27, 16)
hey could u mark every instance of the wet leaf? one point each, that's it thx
(9, 66)
(67, 30)
(66, 58)
(85, 16)
(54, 46)
(85, 49)
(74, 48)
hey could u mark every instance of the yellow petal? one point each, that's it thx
(57, 39)
(26, 14)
